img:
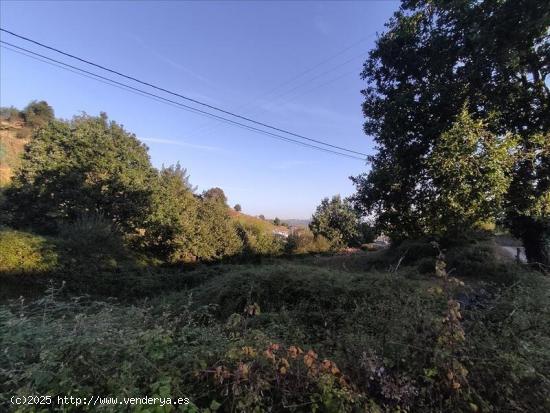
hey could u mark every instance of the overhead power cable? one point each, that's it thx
(180, 105)
(198, 102)
(315, 66)
(276, 99)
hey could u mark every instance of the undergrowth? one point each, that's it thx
(451, 330)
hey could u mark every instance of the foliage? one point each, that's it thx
(257, 241)
(277, 221)
(88, 165)
(10, 114)
(434, 59)
(38, 114)
(92, 236)
(278, 377)
(336, 220)
(367, 233)
(237, 207)
(215, 194)
(327, 334)
(22, 253)
(469, 175)
(171, 228)
(528, 209)
(217, 236)
(303, 241)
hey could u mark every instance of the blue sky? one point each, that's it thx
(244, 56)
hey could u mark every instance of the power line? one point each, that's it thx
(290, 80)
(162, 99)
(180, 95)
(277, 97)
(277, 100)
(310, 69)
(307, 91)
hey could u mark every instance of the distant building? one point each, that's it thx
(281, 232)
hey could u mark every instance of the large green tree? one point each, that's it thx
(86, 166)
(336, 220)
(435, 57)
(171, 227)
(216, 232)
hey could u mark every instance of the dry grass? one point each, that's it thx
(264, 224)
(11, 148)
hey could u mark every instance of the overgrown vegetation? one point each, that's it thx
(328, 334)
(120, 280)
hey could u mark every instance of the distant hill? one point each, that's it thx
(13, 138)
(297, 222)
(16, 129)
(265, 224)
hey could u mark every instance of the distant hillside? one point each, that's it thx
(265, 224)
(13, 138)
(297, 222)
(16, 129)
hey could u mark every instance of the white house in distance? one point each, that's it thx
(281, 232)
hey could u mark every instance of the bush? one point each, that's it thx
(38, 114)
(68, 348)
(257, 241)
(302, 241)
(23, 253)
(310, 333)
(412, 251)
(337, 221)
(479, 261)
(10, 114)
(91, 234)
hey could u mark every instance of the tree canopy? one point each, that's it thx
(38, 114)
(436, 58)
(469, 173)
(336, 220)
(86, 166)
(215, 194)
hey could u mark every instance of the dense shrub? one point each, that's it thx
(302, 241)
(10, 114)
(22, 252)
(367, 233)
(259, 242)
(412, 250)
(314, 334)
(217, 235)
(38, 114)
(171, 228)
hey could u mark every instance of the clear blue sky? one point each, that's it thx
(229, 54)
